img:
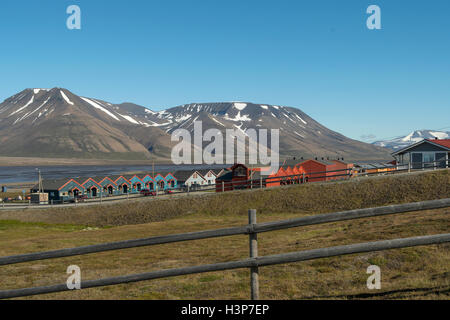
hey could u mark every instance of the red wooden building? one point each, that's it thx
(235, 178)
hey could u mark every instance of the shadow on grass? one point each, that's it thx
(393, 294)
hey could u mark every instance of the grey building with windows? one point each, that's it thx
(425, 153)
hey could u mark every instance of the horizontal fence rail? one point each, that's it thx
(247, 263)
(242, 230)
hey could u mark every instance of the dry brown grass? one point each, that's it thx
(303, 199)
(419, 273)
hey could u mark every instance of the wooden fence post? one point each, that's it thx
(223, 186)
(253, 242)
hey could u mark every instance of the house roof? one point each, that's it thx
(323, 162)
(85, 179)
(226, 175)
(51, 184)
(115, 178)
(443, 143)
(183, 175)
(204, 172)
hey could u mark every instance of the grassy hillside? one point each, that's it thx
(412, 273)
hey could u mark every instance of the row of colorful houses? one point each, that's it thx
(96, 187)
(418, 156)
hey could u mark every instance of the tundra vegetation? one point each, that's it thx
(412, 273)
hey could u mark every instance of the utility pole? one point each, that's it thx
(39, 180)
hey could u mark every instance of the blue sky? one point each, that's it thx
(318, 56)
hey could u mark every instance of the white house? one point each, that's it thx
(190, 178)
(209, 175)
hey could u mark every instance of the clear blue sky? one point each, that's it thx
(315, 55)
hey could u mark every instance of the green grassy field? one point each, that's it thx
(412, 273)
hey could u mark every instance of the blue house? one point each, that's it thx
(71, 189)
(92, 187)
(109, 187)
(136, 183)
(160, 182)
(149, 183)
(123, 184)
(172, 182)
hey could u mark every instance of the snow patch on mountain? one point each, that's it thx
(66, 98)
(240, 106)
(130, 119)
(97, 106)
(25, 106)
(238, 117)
(183, 118)
(36, 91)
(301, 119)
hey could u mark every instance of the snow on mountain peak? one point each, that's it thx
(36, 91)
(240, 106)
(413, 137)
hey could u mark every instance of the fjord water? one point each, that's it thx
(30, 173)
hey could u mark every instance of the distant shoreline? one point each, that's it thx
(25, 161)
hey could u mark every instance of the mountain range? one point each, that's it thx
(56, 123)
(413, 137)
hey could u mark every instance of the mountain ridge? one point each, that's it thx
(413, 137)
(58, 123)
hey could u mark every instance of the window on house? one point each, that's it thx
(416, 159)
(428, 159)
(441, 158)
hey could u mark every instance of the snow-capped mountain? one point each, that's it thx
(413, 137)
(57, 123)
(300, 135)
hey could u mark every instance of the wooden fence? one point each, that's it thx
(253, 262)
